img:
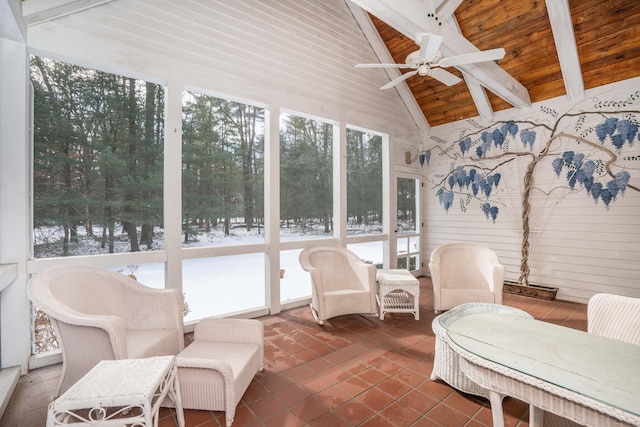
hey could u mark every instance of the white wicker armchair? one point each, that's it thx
(98, 314)
(341, 282)
(463, 273)
(611, 316)
(614, 316)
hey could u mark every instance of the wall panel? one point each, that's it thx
(577, 243)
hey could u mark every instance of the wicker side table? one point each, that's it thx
(119, 392)
(407, 300)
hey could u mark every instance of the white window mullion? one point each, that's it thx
(272, 206)
(340, 182)
(389, 210)
(173, 186)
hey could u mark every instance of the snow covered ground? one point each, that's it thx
(223, 285)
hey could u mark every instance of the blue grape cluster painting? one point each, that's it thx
(582, 173)
(618, 132)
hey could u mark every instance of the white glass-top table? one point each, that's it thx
(590, 379)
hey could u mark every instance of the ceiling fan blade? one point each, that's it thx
(383, 66)
(470, 58)
(429, 45)
(397, 80)
(443, 76)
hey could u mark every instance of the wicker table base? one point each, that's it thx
(446, 365)
(120, 392)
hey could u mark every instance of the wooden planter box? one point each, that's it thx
(535, 291)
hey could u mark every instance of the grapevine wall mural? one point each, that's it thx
(594, 149)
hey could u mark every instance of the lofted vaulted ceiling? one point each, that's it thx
(544, 53)
(553, 48)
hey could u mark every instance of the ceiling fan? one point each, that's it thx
(428, 61)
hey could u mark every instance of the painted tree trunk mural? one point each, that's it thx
(594, 151)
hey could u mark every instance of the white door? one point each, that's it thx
(407, 231)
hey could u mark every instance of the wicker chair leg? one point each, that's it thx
(315, 315)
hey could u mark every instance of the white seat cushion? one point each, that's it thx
(202, 386)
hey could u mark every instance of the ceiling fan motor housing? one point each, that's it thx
(414, 59)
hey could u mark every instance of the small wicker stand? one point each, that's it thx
(398, 292)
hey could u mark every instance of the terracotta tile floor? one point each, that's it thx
(353, 371)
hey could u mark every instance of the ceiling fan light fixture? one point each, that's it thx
(423, 70)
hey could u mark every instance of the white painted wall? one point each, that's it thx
(15, 339)
(576, 245)
(300, 55)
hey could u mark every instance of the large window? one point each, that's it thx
(223, 285)
(364, 183)
(294, 281)
(98, 170)
(99, 188)
(306, 178)
(369, 252)
(223, 172)
(222, 203)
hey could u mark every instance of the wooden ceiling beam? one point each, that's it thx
(488, 74)
(410, 18)
(11, 25)
(39, 11)
(447, 7)
(381, 51)
(565, 40)
(478, 94)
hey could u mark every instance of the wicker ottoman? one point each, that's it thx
(445, 363)
(216, 369)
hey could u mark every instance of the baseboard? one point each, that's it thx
(8, 381)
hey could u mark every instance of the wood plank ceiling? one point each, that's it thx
(607, 36)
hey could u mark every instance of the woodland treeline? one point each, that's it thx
(98, 164)
(97, 155)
